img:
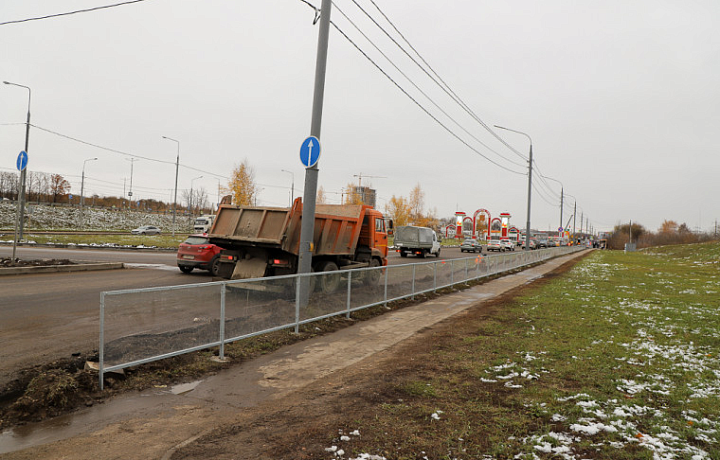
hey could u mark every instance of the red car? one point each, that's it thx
(198, 252)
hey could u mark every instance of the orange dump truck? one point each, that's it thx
(263, 241)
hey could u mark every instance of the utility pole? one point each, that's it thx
(23, 173)
(307, 226)
(130, 194)
(530, 163)
(177, 167)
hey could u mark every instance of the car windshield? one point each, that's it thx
(196, 240)
(470, 241)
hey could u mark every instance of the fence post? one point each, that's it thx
(349, 281)
(101, 356)
(222, 321)
(413, 283)
(387, 269)
(297, 304)
(435, 266)
(452, 272)
(466, 272)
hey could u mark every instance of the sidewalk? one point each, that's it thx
(154, 424)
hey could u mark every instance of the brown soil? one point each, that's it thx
(305, 423)
(298, 426)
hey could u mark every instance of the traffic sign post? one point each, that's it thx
(310, 151)
(21, 163)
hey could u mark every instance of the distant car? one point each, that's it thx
(197, 252)
(507, 244)
(533, 243)
(470, 245)
(494, 245)
(146, 230)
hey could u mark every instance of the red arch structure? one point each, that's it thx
(474, 221)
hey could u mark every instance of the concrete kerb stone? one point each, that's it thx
(78, 266)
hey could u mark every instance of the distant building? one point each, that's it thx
(366, 194)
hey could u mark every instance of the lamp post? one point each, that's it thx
(191, 192)
(23, 173)
(217, 205)
(562, 197)
(177, 166)
(130, 193)
(530, 160)
(292, 187)
(82, 190)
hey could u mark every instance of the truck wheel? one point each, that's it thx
(421, 254)
(185, 268)
(328, 283)
(403, 254)
(215, 266)
(372, 276)
(437, 254)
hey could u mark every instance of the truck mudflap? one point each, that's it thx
(249, 268)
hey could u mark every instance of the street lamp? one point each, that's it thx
(191, 192)
(562, 196)
(82, 187)
(177, 166)
(530, 162)
(130, 193)
(23, 173)
(292, 187)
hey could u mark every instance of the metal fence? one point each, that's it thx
(139, 326)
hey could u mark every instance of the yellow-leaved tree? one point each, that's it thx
(399, 210)
(352, 196)
(242, 184)
(321, 198)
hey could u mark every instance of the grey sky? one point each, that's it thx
(621, 100)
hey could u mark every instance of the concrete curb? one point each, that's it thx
(78, 267)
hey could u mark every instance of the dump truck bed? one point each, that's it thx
(337, 227)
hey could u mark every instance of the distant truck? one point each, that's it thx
(203, 224)
(416, 240)
(264, 241)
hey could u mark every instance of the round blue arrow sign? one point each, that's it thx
(310, 152)
(22, 160)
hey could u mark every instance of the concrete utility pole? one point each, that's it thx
(307, 227)
(23, 173)
(530, 163)
(130, 194)
(292, 186)
(177, 167)
(82, 190)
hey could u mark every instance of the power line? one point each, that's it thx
(420, 105)
(413, 83)
(68, 13)
(445, 87)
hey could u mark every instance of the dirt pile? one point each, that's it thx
(7, 262)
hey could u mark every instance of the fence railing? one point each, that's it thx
(139, 326)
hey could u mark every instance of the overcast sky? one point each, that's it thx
(621, 99)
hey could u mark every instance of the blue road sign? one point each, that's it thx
(310, 151)
(22, 160)
(560, 229)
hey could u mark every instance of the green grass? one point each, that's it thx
(617, 358)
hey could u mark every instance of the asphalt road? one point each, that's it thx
(47, 316)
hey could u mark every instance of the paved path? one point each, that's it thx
(138, 426)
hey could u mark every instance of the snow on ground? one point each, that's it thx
(45, 217)
(674, 371)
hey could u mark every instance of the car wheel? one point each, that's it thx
(185, 268)
(215, 266)
(143, 233)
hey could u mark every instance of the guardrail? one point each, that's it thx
(139, 326)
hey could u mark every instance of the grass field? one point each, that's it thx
(616, 359)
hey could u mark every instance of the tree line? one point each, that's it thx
(670, 232)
